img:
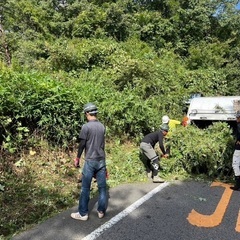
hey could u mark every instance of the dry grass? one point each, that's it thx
(44, 181)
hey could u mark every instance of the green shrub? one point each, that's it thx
(207, 151)
(35, 104)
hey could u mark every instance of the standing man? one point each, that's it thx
(150, 157)
(236, 156)
(172, 126)
(92, 140)
(171, 123)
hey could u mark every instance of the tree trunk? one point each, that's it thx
(5, 47)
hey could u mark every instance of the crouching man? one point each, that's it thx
(149, 156)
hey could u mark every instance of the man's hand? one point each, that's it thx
(165, 155)
(77, 162)
(107, 174)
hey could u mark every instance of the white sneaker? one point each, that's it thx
(100, 214)
(149, 174)
(77, 216)
(157, 179)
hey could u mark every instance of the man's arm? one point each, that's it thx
(161, 146)
(81, 147)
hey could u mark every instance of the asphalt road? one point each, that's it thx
(169, 211)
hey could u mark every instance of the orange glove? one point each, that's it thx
(107, 175)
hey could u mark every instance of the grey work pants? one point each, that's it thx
(150, 154)
(236, 162)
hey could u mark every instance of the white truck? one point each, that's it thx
(204, 110)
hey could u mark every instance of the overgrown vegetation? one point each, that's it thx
(205, 151)
(43, 181)
(137, 60)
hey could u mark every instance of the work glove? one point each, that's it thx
(107, 174)
(77, 162)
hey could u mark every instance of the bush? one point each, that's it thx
(207, 151)
(35, 104)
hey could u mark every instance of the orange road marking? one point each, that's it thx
(214, 219)
(238, 223)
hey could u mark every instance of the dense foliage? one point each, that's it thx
(137, 60)
(204, 151)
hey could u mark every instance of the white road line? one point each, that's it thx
(96, 233)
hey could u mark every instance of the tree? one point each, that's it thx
(4, 49)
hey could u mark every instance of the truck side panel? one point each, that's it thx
(213, 108)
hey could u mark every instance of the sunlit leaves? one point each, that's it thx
(205, 151)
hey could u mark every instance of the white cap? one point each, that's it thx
(165, 119)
